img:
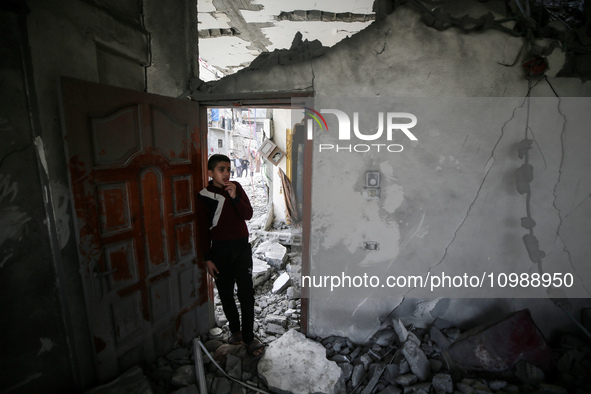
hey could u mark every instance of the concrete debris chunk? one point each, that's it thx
(406, 380)
(358, 375)
(417, 361)
(442, 383)
(215, 333)
(295, 364)
(391, 373)
(377, 374)
(529, 373)
(221, 385)
(366, 360)
(276, 319)
(420, 388)
(386, 337)
(234, 366)
(294, 293)
(184, 376)
(273, 253)
(261, 271)
(347, 371)
(281, 283)
(274, 329)
(439, 338)
(400, 330)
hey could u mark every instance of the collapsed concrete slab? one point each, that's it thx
(295, 364)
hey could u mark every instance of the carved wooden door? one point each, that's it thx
(135, 164)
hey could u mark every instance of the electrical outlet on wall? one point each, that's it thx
(372, 189)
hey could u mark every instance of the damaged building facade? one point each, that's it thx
(496, 182)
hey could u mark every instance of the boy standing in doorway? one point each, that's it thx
(223, 208)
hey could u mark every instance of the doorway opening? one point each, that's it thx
(267, 149)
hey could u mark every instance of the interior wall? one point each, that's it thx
(46, 346)
(447, 204)
(33, 338)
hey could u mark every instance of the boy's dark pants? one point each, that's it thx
(234, 263)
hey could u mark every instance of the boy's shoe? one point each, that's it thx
(235, 338)
(256, 348)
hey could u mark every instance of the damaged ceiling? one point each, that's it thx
(232, 33)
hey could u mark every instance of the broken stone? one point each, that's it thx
(184, 376)
(274, 329)
(452, 333)
(347, 370)
(439, 338)
(221, 385)
(442, 383)
(497, 385)
(528, 373)
(133, 381)
(216, 333)
(400, 330)
(391, 373)
(276, 319)
(281, 283)
(413, 337)
(406, 380)
(294, 293)
(366, 360)
(261, 271)
(480, 387)
(339, 358)
(296, 364)
(358, 375)
(273, 253)
(375, 376)
(420, 388)
(234, 366)
(417, 361)
(386, 337)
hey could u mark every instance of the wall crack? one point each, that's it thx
(488, 166)
(555, 190)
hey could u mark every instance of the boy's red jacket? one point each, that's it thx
(221, 217)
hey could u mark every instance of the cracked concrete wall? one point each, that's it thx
(449, 203)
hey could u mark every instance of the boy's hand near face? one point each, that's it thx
(230, 188)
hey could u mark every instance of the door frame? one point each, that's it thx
(269, 100)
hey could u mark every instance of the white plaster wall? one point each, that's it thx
(449, 203)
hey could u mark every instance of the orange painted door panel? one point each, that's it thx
(135, 163)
